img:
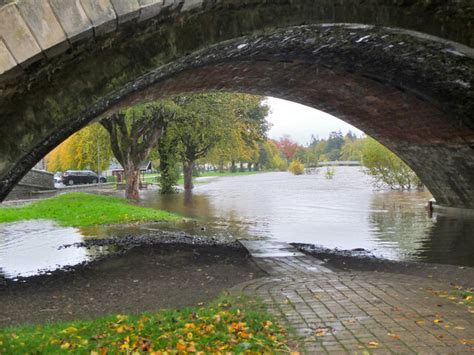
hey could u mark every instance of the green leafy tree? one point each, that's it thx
(245, 129)
(197, 129)
(332, 150)
(352, 149)
(133, 134)
(386, 168)
(217, 127)
(169, 170)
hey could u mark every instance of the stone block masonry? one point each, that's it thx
(34, 180)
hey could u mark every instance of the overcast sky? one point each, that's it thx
(300, 122)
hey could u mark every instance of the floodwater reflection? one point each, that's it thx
(31, 247)
(344, 212)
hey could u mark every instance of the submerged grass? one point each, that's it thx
(228, 325)
(78, 209)
(220, 174)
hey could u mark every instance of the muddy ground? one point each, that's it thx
(361, 260)
(145, 278)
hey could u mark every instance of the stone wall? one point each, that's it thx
(34, 180)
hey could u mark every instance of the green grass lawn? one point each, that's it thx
(78, 209)
(229, 325)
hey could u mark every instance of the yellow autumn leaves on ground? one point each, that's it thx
(223, 327)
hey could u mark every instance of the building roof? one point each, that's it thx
(115, 166)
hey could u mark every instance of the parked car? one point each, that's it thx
(58, 177)
(73, 177)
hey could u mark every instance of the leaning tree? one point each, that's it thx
(133, 134)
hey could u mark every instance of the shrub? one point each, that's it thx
(330, 173)
(296, 167)
(386, 168)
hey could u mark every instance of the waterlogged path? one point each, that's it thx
(343, 212)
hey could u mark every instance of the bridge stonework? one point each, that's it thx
(401, 70)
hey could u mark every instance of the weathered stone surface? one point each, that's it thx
(43, 23)
(35, 180)
(73, 19)
(7, 62)
(102, 15)
(191, 4)
(167, 3)
(149, 8)
(126, 10)
(17, 36)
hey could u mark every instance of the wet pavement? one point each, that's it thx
(357, 312)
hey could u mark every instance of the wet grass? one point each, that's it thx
(228, 325)
(219, 174)
(153, 177)
(77, 209)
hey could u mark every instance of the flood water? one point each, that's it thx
(344, 212)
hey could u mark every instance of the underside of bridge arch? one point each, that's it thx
(412, 92)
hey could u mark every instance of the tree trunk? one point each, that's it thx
(221, 166)
(242, 166)
(257, 166)
(188, 175)
(249, 165)
(132, 186)
(233, 168)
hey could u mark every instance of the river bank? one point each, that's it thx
(363, 260)
(144, 278)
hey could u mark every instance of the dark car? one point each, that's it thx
(72, 177)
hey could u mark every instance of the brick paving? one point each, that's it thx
(357, 312)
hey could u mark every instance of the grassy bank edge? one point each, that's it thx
(78, 209)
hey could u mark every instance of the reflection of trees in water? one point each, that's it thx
(399, 218)
(198, 206)
(451, 241)
(230, 226)
(186, 204)
(395, 221)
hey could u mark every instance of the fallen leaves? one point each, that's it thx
(457, 294)
(217, 328)
(320, 332)
(373, 344)
(394, 336)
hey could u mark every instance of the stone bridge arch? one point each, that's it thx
(65, 63)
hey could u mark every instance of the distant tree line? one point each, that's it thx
(220, 131)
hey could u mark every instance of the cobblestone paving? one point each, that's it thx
(360, 312)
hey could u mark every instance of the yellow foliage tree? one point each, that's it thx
(83, 150)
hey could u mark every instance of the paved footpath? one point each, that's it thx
(357, 312)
